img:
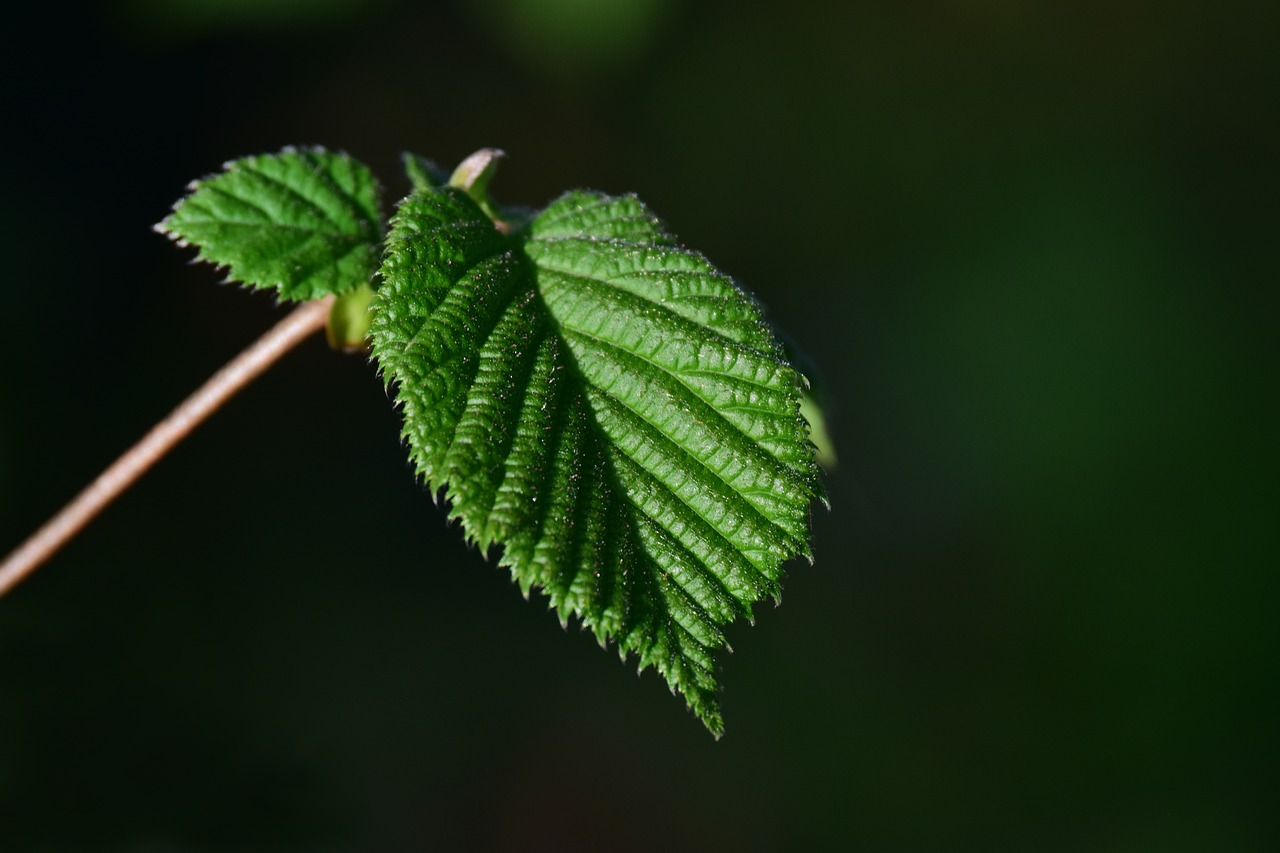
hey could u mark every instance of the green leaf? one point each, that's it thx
(305, 222)
(609, 409)
(423, 173)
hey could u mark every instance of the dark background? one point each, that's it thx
(1032, 252)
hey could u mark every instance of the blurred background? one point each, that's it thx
(1031, 250)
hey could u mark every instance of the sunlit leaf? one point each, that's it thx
(608, 409)
(302, 222)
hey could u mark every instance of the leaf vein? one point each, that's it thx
(749, 507)
(351, 204)
(746, 444)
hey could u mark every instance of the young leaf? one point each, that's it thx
(609, 409)
(305, 222)
(423, 173)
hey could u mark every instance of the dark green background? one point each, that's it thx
(1031, 248)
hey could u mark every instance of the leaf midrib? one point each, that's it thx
(282, 226)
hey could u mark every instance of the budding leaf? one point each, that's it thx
(304, 222)
(609, 409)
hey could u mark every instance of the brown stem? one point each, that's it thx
(301, 323)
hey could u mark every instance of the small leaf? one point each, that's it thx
(609, 409)
(304, 222)
(423, 173)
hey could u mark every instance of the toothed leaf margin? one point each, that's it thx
(609, 409)
(303, 222)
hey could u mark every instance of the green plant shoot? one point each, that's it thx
(600, 406)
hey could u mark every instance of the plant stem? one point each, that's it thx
(237, 373)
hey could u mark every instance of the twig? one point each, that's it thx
(236, 374)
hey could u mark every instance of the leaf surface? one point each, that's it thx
(303, 222)
(609, 409)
